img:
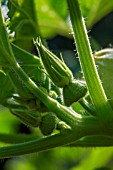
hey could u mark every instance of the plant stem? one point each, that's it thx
(93, 141)
(61, 111)
(49, 142)
(87, 107)
(99, 99)
(14, 138)
(36, 145)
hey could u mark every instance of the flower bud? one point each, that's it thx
(29, 118)
(57, 69)
(104, 62)
(74, 91)
(48, 123)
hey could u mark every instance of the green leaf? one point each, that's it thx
(50, 20)
(23, 21)
(6, 88)
(94, 10)
(31, 64)
(60, 7)
(104, 62)
(27, 16)
(25, 58)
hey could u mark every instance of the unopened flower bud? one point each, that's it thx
(57, 69)
(48, 123)
(30, 118)
(74, 92)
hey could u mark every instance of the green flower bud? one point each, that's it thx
(104, 62)
(48, 123)
(74, 92)
(29, 118)
(57, 69)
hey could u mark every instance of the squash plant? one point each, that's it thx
(41, 90)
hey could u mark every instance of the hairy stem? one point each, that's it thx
(93, 141)
(49, 142)
(103, 109)
(14, 138)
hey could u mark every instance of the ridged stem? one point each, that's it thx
(99, 99)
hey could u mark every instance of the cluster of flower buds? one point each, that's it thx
(53, 77)
(22, 103)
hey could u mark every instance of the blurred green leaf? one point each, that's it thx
(27, 16)
(50, 20)
(7, 121)
(94, 10)
(60, 7)
(21, 164)
(97, 158)
(103, 168)
(23, 21)
(60, 158)
(2, 1)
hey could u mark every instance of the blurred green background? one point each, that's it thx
(54, 25)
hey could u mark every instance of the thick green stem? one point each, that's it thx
(93, 141)
(49, 142)
(89, 141)
(14, 138)
(36, 145)
(104, 111)
(69, 137)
